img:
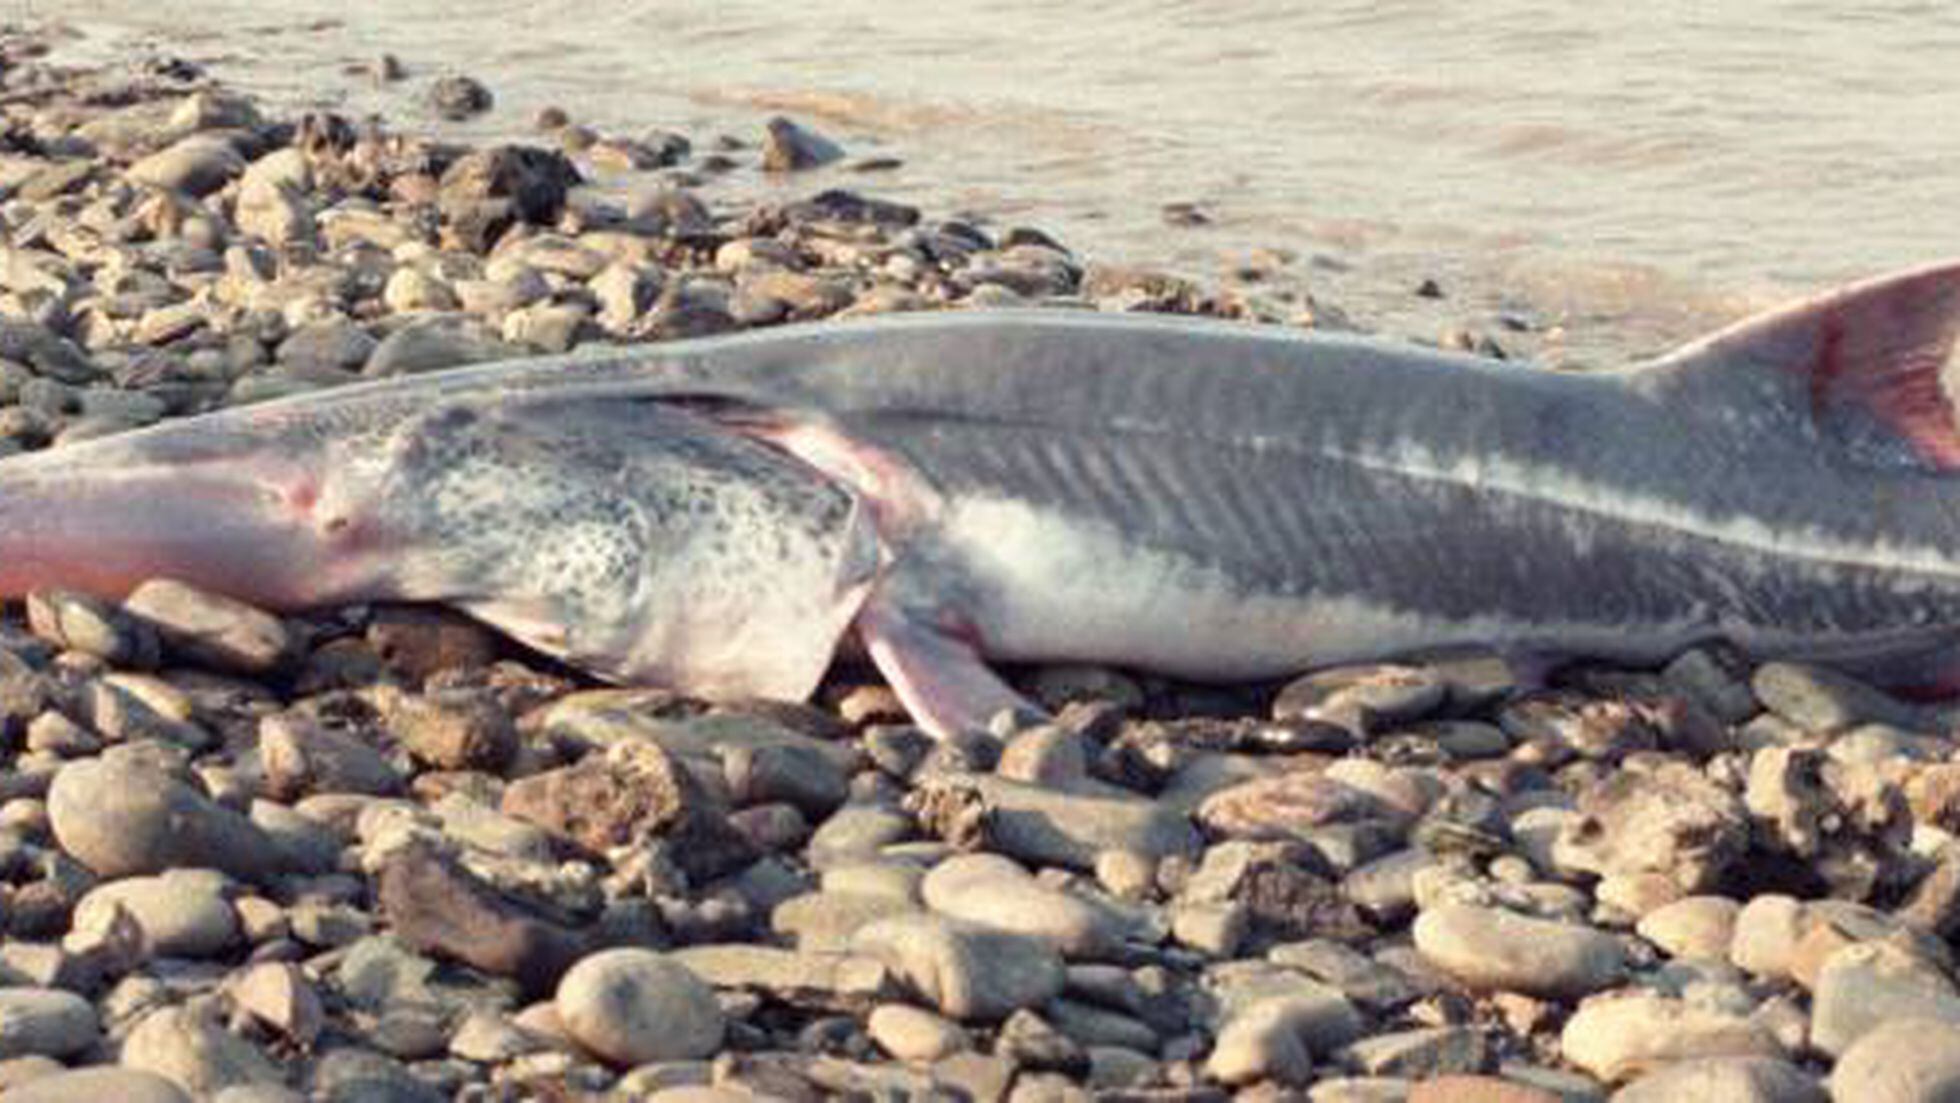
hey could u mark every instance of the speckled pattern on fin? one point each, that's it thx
(635, 540)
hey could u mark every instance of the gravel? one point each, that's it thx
(380, 852)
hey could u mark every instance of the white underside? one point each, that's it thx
(1059, 589)
(1062, 589)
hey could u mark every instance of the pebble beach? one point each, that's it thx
(379, 853)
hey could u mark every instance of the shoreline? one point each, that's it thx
(379, 852)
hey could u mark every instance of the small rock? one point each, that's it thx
(457, 97)
(453, 731)
(1290, 806)
(1868, 983)
(630, 792)
(184, 1045)
(435, 905)
(1699, 928)
(1671, 820)
(88, 624)
(914, 1034)
(1427, 1052)
(1823, 700)
(993, 891)
(1900, 1061)
(195, 166)
(1046, 827)
(787, 147)
(418, 643)
(825, 921)
(1366, 699)
(125, 819)
(632, 1006)
(1488, 948)
(207, 628)
(103, 1082)
(302, 756)
(45, 1021)
(1618, 1037)
(1766, 933)
(1736, 1079)
(277, 994)
(1264, 1041)
(1469, 1088)
(182, 912)
(969, 973)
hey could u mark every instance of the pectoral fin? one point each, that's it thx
(939, 677)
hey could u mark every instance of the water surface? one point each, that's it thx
(1632, 172)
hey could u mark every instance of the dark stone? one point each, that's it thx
(485, 192)
(843, 205)
(438, 907)
(791, 148)
(458, 97)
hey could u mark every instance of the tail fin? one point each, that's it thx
(1865, 364)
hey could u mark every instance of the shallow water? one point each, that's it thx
(1633, 173)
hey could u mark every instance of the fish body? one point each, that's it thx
(1208, 500)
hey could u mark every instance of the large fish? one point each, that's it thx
(1212, 501)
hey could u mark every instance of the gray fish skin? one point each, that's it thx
(1232, 502)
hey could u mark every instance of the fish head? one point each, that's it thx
(261, 508)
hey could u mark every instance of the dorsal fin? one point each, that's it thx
(1867, 362)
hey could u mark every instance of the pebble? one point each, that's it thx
(209, 629)
(45, 1022)
(1421, 1053)
(1767, 930)
(969, 973)
(103, 1082)
(1697, 927)
(301, 756)
(1737, 1079)
(184, 1045)
(1488, 948)
(1290, 806)
(1618, 1037)
(788, 147)
(993, 891)
(195, 166)
(182, 912)
(915, 1034)
(1672, 821)
(123, 820)
(631, 1006)
(825, 921)
(437, 906)
(1900, 1061)
(1471, 1088)
(1821, 700)
(1048, 827)
(453, 731)
(456, 97)
(1868, 983)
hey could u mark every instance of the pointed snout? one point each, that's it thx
(233, 516)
